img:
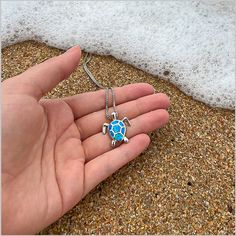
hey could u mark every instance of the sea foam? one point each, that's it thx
(189, 43)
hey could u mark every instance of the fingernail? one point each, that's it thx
(72, 48)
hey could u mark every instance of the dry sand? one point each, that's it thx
(183, 183)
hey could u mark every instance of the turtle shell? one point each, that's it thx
(117, 130)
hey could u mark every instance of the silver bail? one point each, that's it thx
(114, 115)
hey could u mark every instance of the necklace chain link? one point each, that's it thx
(87, 59)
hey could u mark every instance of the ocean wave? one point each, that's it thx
(189, 43)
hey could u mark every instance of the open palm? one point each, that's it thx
(53, 151)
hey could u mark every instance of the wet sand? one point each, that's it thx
(182, 184)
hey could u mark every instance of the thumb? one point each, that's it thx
(42, 78)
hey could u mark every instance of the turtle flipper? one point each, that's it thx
(126, 140)
(113, 143)
(126, 120)
(104, 128)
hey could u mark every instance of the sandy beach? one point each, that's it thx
(182, 184)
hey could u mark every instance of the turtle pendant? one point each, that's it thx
(116, 129)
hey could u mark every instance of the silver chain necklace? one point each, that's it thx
(117, 128)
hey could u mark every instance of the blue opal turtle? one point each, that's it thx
(116, 129)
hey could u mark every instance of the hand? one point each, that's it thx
(53, 151)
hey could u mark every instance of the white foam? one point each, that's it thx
(194, 40)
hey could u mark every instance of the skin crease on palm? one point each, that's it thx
(53, 151)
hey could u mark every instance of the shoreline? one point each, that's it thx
(182, 184)
(57, 51)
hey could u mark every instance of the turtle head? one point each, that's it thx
(114, 115)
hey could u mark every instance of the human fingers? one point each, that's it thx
(86, 103)
(92, 123)
(98, 144)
